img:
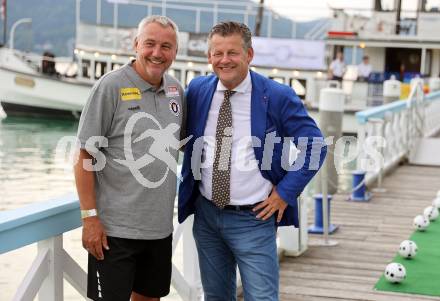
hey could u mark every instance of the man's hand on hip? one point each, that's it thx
(94, 237)
(270, 205)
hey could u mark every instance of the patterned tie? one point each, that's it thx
(221, 174)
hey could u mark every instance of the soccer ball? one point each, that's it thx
(395, 272)
(421, 223)
(408, 249)
(431, 213)
(436, 202)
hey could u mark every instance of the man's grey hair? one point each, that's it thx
(229, 28)
(162, 20)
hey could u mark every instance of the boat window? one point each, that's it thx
(85, 67)
(116, 66)
(277, 79)
(353, 55)
(190, 74)
(176, 73)
(100, 69)
(299, 85)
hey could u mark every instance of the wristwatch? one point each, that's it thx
(88, 213)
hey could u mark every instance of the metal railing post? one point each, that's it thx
(326, 227)
(324, 184)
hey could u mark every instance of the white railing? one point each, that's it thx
(319, 31)
(401, 124)
(45, 223)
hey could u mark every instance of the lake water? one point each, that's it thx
(29, 170)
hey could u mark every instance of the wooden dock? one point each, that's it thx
(369, 235)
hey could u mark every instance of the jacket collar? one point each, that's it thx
(259, 103)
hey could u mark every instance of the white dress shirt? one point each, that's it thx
(364, 70)
(338, 68)
(247, 184)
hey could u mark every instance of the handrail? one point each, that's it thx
(394, 107)
(432, 96)
(36, 222)
(379, 112)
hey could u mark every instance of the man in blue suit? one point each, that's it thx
(238, 178)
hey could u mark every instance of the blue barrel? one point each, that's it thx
(318, 227)
(360, 194)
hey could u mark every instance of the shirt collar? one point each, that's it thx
(243, 87)
(139, 82)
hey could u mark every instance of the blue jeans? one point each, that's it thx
(225, 238)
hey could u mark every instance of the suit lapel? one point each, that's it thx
(259, 102)
(205, 99)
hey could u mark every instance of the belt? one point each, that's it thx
(240, 207)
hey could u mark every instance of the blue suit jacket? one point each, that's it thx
(276, 109)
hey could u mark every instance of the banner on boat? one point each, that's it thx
(272, 52)
(289, 53)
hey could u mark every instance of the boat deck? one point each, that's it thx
(368, 238)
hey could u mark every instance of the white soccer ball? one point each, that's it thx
(408, 249)
(395, 272)
(421, 223)
(436, 203)
(431, 213)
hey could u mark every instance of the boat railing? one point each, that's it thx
(395, 129)
(385, 24)
(318, 31)
(34, 61)
(11, 57)
(200, 9)
(44, 223)
(31, 59)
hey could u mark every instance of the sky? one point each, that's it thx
(312, 9)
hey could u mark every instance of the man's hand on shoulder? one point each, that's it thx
(94, 237)
(270, 205)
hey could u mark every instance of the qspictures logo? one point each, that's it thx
(294, 154)
(163, 141)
